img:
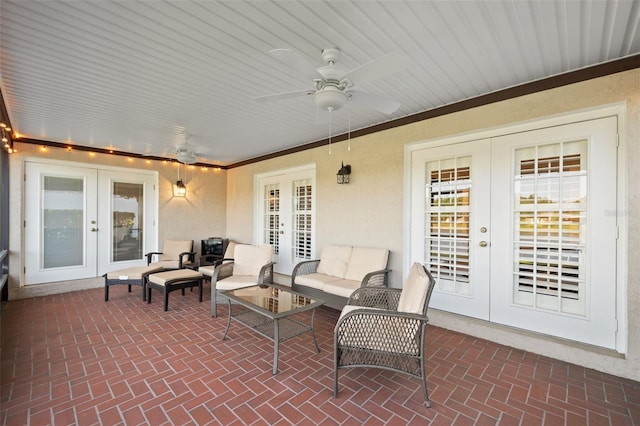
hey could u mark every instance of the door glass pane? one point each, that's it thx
(448, 191)
(127, 205)
(550, 186)
(302, 198)
(63, 222)
(272, 217)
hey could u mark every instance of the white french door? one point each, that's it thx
(285, 216)
(82, 222)
(450, 217)
(521, 229)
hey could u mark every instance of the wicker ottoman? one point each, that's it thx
(131, 276)
(169, 281)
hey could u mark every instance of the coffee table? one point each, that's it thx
(268, 309)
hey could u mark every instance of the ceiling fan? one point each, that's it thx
(187, 153)
(334, 85)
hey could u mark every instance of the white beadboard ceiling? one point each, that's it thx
(133, 75)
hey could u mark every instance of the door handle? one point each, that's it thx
(282, 232)
(483, 244)
(94, 229)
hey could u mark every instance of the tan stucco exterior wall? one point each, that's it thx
(369, 211)
(199, 215)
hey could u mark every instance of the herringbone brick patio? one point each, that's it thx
(73, 359)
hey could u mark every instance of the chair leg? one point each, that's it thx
(106, 292)
(200, 284)
(214, 301)
(166, 299)
(129, 286)
(335, 371)
(148, 293)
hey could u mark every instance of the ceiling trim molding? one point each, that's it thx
(588, 73)
(73, 147)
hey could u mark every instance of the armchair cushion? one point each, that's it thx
(365, 260)
(414, 291)
(249, 259)
(172, 249)
(334, 260)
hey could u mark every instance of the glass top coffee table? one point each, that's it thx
(268, 309)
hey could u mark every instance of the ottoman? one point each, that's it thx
(178, 279)
(136, 275)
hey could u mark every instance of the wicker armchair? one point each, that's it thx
(385, 328)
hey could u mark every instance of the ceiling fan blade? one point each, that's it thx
(378, 68)
(285, 95)
(379, 103)
(294, 60)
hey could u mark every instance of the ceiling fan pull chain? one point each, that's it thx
(330, 117)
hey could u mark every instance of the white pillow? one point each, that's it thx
(334, 260)
(248, 259)
(365, 260)
(414, 291)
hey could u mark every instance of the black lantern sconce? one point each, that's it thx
(180, 190)
(343, 174)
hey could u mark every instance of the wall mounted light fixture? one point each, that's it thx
(343, 174)
(180, 190)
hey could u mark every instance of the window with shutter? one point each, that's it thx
(302, 216)
(550, 186)
(447, 223)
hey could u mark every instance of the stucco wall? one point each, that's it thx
(200, 214)
(369, 211)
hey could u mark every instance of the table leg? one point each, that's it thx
(276, 342)
(313, 333)
(228, 321)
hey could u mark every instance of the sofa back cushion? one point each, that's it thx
(415, 291)
(334, 260)
(249, 259)
(365, 260)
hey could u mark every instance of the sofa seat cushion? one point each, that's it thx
(133, 273)
(237, 281)
(315, 280)
(365, 260)
(334, 260)
(342, 288)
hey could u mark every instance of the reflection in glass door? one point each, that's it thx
(128, 220)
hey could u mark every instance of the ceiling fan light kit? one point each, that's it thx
(330, 98)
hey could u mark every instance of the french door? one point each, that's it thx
(82, 222)
(521, 229)
(285, 216)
